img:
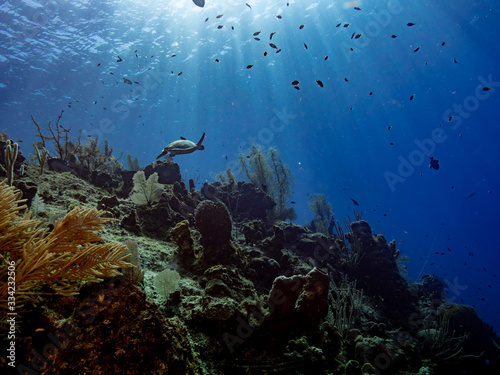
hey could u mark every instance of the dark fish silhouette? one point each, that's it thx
(256, 33)
(470, 195)
(410, 24)
(200, 3)
(271, 35)
(279, 17)
(320, 84)
(127, 81)
(119, 59)
(434, 163)
(295, 83)
(272, 45)
(301, 27)
(249, 66)
(219, 16)
(355, 202)
(248, 5)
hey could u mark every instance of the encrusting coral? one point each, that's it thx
(71, 254)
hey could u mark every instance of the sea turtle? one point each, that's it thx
(183, 146)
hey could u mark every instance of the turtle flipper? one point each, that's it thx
(162, 154)
(201, 140)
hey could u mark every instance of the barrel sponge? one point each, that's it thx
(214, 222)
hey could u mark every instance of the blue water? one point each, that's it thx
(337, 140)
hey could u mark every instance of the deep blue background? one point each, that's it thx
(338, 140)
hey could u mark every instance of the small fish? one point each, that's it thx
(279, 16)
(394, 36)
(248, 5)
(179, 74)
(249, 66)
(206, 19)
(265, 53)
(338, 25)
(455, 61)
(305, 46)
(272, 45)
(434, 163)
(256, 33)
(389, 128)
(412, 97)
(173, 55)
(345, 79)
(370, 93)
(486, 88)
(470, 195)
(220, 27)
(357, 8)
(410, 24)
(295, 83)
(355, 202)
(301, 27)
(99, 64)
(271, 35)
(320, 84)
(127, 81)
(346, 24)
(216, 60)
(358, 36)
(278, 50)
(296, 87)
(416, 49)
(326, 57)
(443, 43)
(137, 83)
(219, 16)
(119, 59)
(354, 33)
(257, 39)
(292, 202)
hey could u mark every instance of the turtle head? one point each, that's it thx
(199, 146)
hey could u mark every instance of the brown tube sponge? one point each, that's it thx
(214, 223)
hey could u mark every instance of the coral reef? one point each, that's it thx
(111, 328)
(253, 294)
(272, 176)
(323, 213)
(62, 259)
(214, 223)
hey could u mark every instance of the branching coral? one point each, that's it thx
(273, 176)
(322, 210)
(71, 254)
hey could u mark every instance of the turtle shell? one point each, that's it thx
(182, 146)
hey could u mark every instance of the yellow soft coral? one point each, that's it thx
(66, 257)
